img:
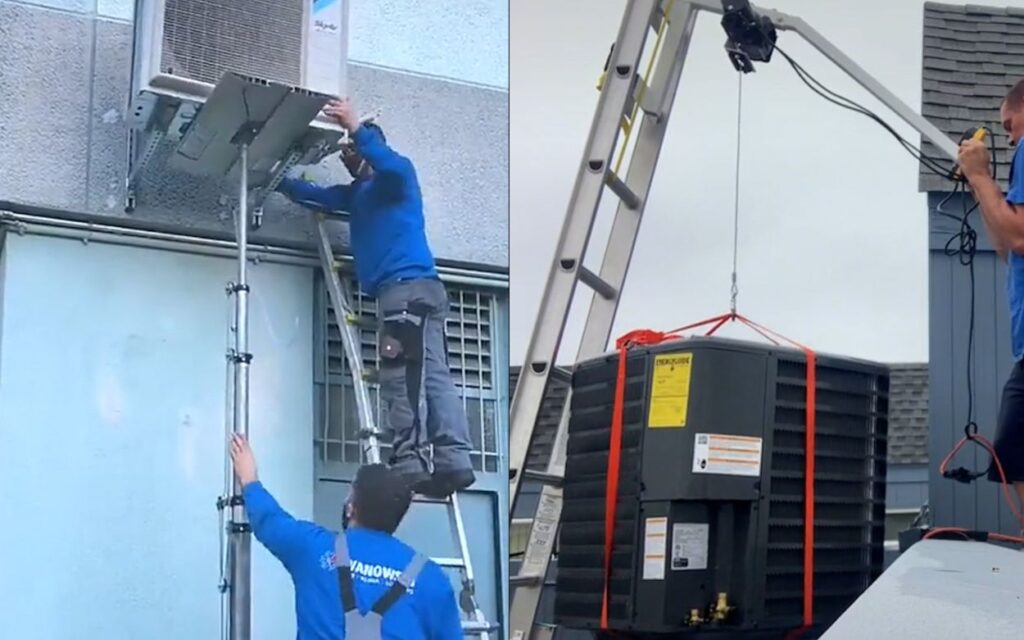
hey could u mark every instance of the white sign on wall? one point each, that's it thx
(326, 47)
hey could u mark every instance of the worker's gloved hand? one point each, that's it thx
(243, 460)
(973, 158)
(343, 111)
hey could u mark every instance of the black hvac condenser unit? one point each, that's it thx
(711, 490)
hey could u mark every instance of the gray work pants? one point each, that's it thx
(423, 409)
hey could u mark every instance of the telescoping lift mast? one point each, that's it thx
(630, 103)
(253, 132)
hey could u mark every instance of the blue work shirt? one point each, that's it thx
(1015, 262)
(428, 611)
(389, 239)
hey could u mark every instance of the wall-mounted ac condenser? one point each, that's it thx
(711, 490)
(269, 57)
(184, 47)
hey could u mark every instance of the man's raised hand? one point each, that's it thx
(343, 111)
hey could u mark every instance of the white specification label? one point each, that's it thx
(689, 547)
(726, 455)
(655, 534)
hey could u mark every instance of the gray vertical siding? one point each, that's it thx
(979, 505)
(906, 486)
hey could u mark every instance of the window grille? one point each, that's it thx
(472, 344)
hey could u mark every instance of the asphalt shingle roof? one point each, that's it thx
(972, 56)
(908, 414)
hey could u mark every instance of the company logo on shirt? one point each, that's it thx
(365, 572)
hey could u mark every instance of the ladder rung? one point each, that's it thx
(528, 580)
(360, 321)
(620, 189)
(594, 281)
(424, 499)
(544, 477)
(451, 563)
(543, 631)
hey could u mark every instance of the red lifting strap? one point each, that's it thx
(623, 344)
(648, 337)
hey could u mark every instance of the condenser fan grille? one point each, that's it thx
(203, 39)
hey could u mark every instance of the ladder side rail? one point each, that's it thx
(469, 578)
(369, 434)
(575, 235)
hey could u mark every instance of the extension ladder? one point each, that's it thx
(349, 323)
(624, 93)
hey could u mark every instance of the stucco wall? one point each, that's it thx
(435, 74)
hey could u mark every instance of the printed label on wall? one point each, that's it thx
(325, 47)
(655, 534)
(689, 547)
(670, 390)
(726, 455)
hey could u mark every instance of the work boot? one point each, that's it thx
(414, 471)
(453, 467)
(419, 482)
(444, 483)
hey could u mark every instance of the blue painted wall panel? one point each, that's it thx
(112, 403)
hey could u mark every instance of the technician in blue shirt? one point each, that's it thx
(393, 262)
(1004, 220)
(350, 585)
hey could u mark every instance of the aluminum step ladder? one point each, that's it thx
(349, 323)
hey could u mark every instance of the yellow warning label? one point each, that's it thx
(670, 390)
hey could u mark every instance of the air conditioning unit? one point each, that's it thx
(184, 47)
(711, 490)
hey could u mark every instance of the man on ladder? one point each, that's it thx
(394, 263)
(386, 589)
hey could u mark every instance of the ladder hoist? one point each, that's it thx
(639, 106)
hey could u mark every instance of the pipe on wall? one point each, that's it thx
(52, 226)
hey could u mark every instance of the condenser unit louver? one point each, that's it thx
(184, 47)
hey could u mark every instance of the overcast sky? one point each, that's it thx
(833, 233)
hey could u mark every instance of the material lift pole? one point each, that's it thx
(248, 130)
(240, 545)
(673, 20)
